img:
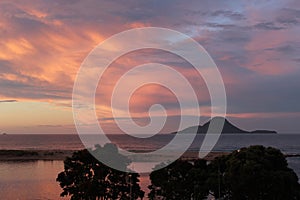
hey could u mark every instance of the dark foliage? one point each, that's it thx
(180, 180)
(253, 173)
(19, 153)
(85, 178)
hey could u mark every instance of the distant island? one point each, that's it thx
(227, 128)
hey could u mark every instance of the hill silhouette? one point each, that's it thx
(227, 128)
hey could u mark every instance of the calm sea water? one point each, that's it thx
(30, 180)
(288, 143)
(36, 180)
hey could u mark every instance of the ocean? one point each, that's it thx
(36, 179)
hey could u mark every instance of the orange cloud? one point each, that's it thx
(263, 115)
(51, 56)
(139, 25)
(43, 44)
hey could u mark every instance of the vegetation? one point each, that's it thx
(180, 180)
(85, 178)
(18, 153)
(252, 173)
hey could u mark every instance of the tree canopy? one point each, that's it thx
(180, 180)
(85, 178)
(253, 173)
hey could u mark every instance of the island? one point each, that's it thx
(228, 128)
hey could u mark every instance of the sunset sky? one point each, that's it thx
(255, 44)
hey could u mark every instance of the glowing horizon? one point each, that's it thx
(43, 44)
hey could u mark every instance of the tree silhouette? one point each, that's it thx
(180, 180)
(253, 173)
(85, 178)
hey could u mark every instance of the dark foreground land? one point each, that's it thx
(23, 155)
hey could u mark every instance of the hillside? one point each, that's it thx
(227, 128)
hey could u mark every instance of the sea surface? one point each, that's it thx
(35, 180)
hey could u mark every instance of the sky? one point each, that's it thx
(255, 44)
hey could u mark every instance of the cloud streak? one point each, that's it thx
(8, 101)
(255, 45)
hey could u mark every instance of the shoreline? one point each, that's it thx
(48, 155)
(32, 155)
(29, 155)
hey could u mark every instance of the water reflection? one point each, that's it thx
(30, 180)
(35, 180)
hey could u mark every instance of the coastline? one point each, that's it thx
(31, 155)
(48, 155)
(24, 155)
